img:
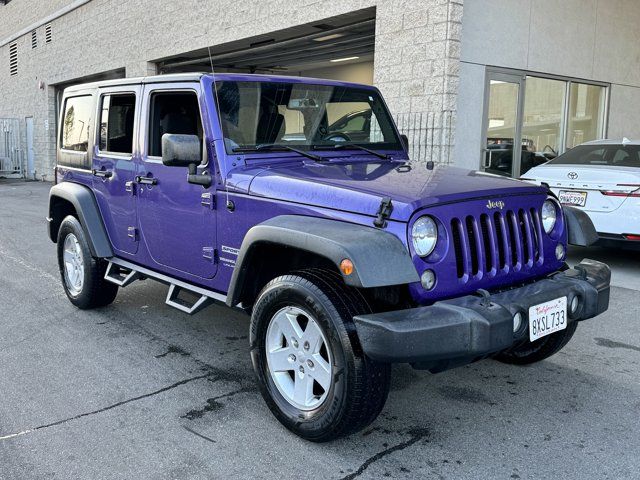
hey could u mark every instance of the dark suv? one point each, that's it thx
(244, 189)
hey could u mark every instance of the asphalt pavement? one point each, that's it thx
(141, 390)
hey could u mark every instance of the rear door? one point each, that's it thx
(113, 165)
(177, 219)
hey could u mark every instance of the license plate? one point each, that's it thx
(576, 199)
(547, 318)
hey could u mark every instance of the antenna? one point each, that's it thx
(213, 74)
(230, 205)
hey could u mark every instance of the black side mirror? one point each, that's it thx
(185, 151)
(405, 141)
(180, 150)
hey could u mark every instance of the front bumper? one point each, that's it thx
(454, 332)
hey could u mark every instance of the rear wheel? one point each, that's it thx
(82, 275)
(307, 358)
(532, 352)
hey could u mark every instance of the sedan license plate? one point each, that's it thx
(569, 197)
(547, 318)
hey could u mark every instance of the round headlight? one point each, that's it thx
(424, 235)
(549, 215)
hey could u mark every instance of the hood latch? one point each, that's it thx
(384, 212)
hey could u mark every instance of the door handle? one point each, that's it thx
(102, 173)
(146, 180)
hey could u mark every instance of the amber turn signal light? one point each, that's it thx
(346, 266)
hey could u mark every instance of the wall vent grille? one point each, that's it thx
(48, 33)
(13, 59)
(34, 39)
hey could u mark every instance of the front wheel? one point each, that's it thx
(532, 352)
(82, 275)
(307, 358)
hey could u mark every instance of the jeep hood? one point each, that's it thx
(358, 187)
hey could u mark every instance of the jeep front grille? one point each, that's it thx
(496, 244)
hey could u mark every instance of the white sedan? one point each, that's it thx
(603, 179)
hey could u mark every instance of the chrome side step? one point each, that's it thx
(123, 273)
(175, 301)
(120, 275)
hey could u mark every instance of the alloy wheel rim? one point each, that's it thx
(73, 264)
(299, 358)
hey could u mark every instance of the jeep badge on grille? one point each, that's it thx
(491, 204)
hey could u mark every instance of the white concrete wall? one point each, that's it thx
(597, 40)
(417, 46)
(18, 15)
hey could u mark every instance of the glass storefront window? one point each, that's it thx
(531, 119)
(503, 109)
(542, 117)
(501, 126)
(586, 113)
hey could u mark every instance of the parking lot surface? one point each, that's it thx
(141, 390)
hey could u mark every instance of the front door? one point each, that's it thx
(503, 107)
(114, 166)
(177, 219)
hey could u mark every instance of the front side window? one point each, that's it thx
(76, 123)
(606, 155)
(173, 112)
(258, 114)
(116, 123)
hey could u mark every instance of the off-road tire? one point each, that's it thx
(533, 352)
(96, 291)
(360, 385)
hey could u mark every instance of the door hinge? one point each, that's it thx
(208, 200)
(210, 253)
(132, 232)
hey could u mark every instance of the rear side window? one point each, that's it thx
(76, 123)
(173, 112)
(608, 155)
(116, 123)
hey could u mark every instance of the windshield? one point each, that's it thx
(303, 116)
(610, 155)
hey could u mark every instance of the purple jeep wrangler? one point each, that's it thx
(294, 200)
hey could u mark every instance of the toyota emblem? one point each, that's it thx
(572, 175)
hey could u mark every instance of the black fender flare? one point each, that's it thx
(580, 228)
(84, 203)
(379, 257)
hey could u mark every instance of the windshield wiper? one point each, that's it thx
(340, 146)
(272, 148)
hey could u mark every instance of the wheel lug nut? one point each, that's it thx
(292, 358)
(301, 369)
(306, 345)
(294, 342)
(310, 363)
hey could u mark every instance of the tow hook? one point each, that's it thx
(485, 297)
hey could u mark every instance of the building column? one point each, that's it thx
(141, 69)
(417, 63)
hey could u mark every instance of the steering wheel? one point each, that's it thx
(550, 148)
(337, 137)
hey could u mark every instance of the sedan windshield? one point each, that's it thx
(304, 116)
(609, 155)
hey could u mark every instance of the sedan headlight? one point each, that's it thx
(424, 235)
(549, 215)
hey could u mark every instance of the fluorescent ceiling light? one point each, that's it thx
(344, 59)
(328, 37)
